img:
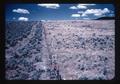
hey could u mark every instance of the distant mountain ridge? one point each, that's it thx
(106, 18)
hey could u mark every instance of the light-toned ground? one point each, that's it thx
(72, 54)
(77, 49)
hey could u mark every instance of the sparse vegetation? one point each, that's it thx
(56, 50)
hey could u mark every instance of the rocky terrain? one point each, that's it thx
(60, 50)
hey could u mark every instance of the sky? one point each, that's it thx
(56, 11)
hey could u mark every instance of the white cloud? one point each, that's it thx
(81, 6)
(83, 15)
(73, 7)
(96, 12)
(52, 6)
(23, 11)
(86, 18)
(88, 4)
(23, 19)
(106, 10)
(80, 12)
(75, 15)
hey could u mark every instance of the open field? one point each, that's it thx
(60, 50)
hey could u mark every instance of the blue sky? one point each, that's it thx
(36, 12)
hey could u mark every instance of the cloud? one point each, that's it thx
(96, 12)
(80, 12)
(75, 15)
(84, 15)
(23, 11)
(106, 10)
(112, 12)
(87, 4)
(111, 15)
(23, 19)
(81, 6)
(52, 6)
(86, 18)
(73, 7)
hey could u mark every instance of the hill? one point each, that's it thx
(106, 18)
